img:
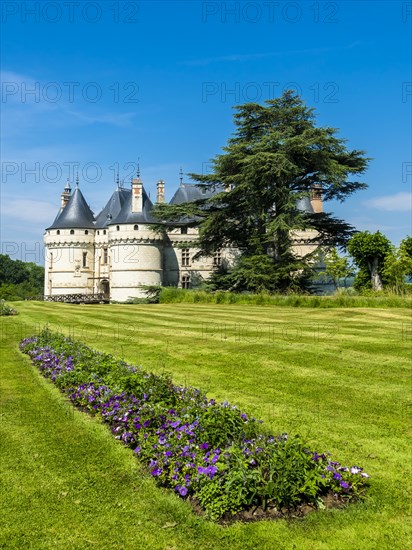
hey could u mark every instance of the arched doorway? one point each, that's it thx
(105, 288)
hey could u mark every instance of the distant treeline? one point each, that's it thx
(20, 280)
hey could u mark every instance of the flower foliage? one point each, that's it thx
(5, 309)
(212, 452)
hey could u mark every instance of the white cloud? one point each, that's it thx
(399, 202)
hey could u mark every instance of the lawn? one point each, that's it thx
(340, 377)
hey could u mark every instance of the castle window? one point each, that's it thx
(186, 281)
(183, 230)
(104, 231)
(136, 227)
(185, 257)
(98, 232)
(105, 256)
(86, 232)
(117, 227)
(71, 231)
(217, 258)
(84, 259)
(58, 232)
(51, 260)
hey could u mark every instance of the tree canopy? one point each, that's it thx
(276, 157)
(19, 280)
(369, 251)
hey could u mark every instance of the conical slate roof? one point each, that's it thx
(75, 215)
(113, 207)
(189, 192)
(127, 216)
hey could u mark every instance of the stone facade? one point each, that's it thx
(118, 251)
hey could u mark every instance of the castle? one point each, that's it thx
(118, 251)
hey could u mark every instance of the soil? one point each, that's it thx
(256, 513)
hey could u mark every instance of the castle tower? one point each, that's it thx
(135, 249)
(69, 248)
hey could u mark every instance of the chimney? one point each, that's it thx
(316, 199)
(137, 195)
(160, 191)
(65, 196)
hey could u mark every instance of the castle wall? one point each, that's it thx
(179, 262)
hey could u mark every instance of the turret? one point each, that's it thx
(65, 196)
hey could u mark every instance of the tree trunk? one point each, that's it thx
(375, 277)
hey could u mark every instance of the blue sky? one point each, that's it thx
(98, 85)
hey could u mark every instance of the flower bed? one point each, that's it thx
(213, 453)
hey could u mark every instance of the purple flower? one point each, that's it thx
(183, 491)
(337, 476)
(344, 485)
(137, 450)
(204, 446)
(157, 472)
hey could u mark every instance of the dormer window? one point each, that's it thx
(183, 230)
